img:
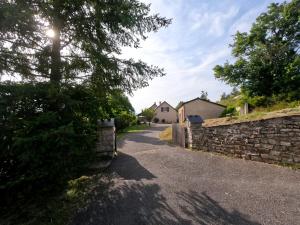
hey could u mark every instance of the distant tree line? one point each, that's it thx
(267, 65)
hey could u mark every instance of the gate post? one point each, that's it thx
(192, 122)
(106, 135)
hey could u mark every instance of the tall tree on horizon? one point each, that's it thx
(267, 57)
(204, 95)
(76, 40)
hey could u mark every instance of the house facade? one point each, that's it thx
(165, 113)
(201, 107)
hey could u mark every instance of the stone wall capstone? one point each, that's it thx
(270, 140)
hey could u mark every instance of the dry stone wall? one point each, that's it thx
(270, 140)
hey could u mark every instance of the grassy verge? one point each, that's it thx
(256, 115)
(56, 208)
(133, 129)
(136, 128)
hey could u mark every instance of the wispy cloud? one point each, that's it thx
(191, 46)
(213, 22)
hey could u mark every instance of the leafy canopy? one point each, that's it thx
(148, 114)
(204, 95)
(81, 40)
(267, 58)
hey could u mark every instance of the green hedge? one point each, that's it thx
(124, 120)
(45, 135)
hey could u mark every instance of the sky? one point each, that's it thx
(189, 48)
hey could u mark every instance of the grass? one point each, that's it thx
(136, 128)
(133, 129)
(294, 166)
(256, 115)
(54, 209)
(166, 135)
(59, 207)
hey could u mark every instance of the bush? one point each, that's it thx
(163, 120)
(124, 120)
(46, 135)
(229, 111)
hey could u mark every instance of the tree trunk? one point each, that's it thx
(56, 75)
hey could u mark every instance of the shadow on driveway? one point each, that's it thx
(129, 168)
(135, 196)
(143, 204)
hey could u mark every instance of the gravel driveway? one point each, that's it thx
(155, 183)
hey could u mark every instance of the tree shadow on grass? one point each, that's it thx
(143, 204)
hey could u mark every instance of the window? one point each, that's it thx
(164, 109)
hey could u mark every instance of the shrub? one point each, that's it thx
(163, 120)
(134, 121)
(229, 111)
(124, 120)
(46, 135)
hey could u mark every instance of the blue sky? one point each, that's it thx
(191, 46)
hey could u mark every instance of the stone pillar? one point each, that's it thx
(246, 108)
(193, 122)
(106, 144)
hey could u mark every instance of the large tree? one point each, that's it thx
(149, 114)
(267, 58)
(67, 40)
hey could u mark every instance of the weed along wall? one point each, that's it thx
(270, 140)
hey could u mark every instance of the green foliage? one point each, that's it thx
(136, 128)
(47, 130)
(267, 58)
(89, 36)
(229, 111)
(204, 95)
(269, 103)
(42, 142)
(278, 105)
(124, 119)
(119, 107)
(118, 102)
(257, 101)
(148, 114)
(232, 99)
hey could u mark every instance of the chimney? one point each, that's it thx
(159, 102)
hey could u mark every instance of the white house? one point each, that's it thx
(165, 113)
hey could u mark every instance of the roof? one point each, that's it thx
(167, 104)
(202, 100)
(195, 119)
(154, 106)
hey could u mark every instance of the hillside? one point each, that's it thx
(252, 117)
